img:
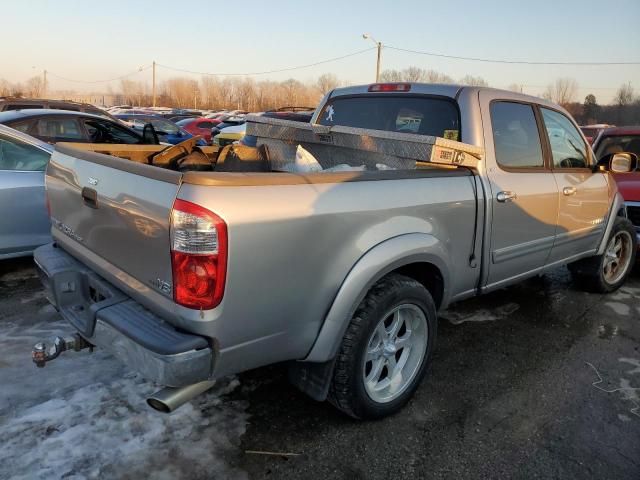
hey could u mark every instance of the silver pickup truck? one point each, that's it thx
(330, 245)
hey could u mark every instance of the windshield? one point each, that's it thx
(407, 114)
(617, 144)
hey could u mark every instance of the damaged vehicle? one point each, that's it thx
(330, 245)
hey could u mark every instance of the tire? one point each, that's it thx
(607, 272)
(394, 301)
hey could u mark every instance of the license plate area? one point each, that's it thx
(80, 295)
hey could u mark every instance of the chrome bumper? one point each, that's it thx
(107, 318)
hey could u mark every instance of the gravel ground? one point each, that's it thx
(534, 381)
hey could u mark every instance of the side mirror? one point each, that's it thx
(623, 162)
(149, 135)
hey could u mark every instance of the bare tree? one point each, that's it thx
(183, 91)
(474, 81)
(34, 87)
(415, 74)
(515, 87)
(562, 91)
(624, 95)
(433, 76)
(5, 88)
(327, 82)
(391, 76)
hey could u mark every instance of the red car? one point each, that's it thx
(199, 126)
(623, 139)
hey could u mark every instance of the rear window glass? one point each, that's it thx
(420, 114)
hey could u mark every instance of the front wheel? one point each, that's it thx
(385, 350)
(607, 272)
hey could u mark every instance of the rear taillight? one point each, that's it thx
(198, 255)
(390, 87)
(47, 204)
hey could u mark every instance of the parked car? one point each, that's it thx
(337, 253)
(24, 221)
(199, 126)
(229, 121)
(18, 103)
(54, 126)
(167, 131)
(591, 131)
(176, 118)
(230, 135)
(617, 140)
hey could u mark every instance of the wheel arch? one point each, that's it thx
(417, 255)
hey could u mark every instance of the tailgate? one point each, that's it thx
(115, 208)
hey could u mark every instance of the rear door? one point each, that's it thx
(24, 222)
(524, 195)
(583, 194)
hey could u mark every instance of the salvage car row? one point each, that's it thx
(386, 204)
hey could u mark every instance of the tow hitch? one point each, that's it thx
(41, 356)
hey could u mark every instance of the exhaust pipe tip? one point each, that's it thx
(169, 399)
(158, 405)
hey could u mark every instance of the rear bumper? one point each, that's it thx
(109, 319)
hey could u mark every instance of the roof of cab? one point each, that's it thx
(10, 115)
(444, 90)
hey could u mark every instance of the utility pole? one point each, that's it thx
(44, 84)
(366, 36)
(153, 87)
(378, 62)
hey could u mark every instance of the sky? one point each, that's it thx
(94, 41)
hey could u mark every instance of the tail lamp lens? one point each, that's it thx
(198, 256)
(390, 87)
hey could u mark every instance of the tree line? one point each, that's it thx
(212, 92)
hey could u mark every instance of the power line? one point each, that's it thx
(493, 60)
(288, 69)
(141, 69)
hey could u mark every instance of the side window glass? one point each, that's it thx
(18, 155)
(515, 135)
(22, 126)
(567, 147)
(63, 128)
(103, 131)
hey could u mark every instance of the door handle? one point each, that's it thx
(90, 197)
(569, 191)
(506, 196)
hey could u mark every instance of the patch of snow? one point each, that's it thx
(19, 275)
(619, 308)
(33, 297)
(624, 418)
(84, 416)
(480, 315)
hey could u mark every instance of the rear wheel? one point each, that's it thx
(385, 350)
(607, 272)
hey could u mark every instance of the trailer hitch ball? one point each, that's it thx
(41, 355)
